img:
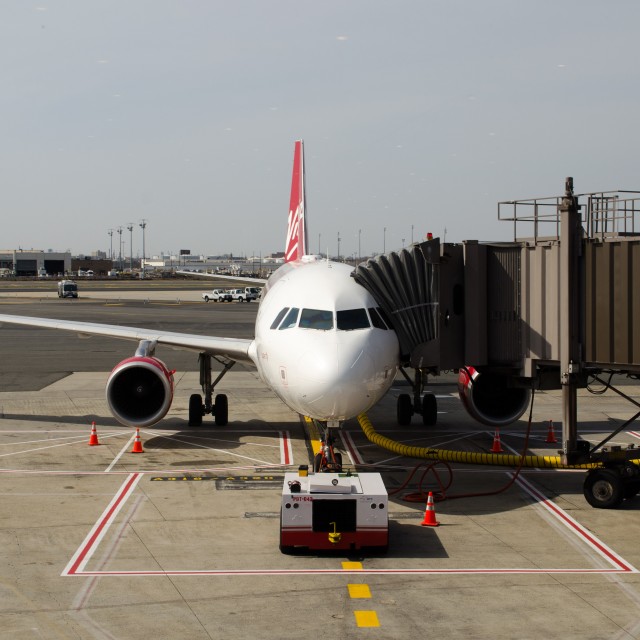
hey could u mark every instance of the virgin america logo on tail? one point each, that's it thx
(294, 250)
(296, 241)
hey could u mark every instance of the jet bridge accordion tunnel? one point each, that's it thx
(553, 309)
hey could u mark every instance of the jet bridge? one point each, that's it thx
(554, 308)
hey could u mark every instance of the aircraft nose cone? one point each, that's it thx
(337, 381)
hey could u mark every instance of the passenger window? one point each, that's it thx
(352, 319)
(376, 319)
(290, 320)
(316, 319)
(276, 322)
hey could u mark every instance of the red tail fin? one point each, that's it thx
(296, 232)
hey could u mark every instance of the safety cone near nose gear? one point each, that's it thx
(137, 444)
(551, 435)
(430, 513)
(497, 447)
(93, 438)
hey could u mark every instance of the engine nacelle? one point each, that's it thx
(140, 391)
(489, 399)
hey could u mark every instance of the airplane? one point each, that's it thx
(322, 344)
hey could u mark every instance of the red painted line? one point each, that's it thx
(286, 456)
(612, 557)
(116, 504)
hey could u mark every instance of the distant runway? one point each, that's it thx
(182, 540)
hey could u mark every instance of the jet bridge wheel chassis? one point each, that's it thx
(218, 409)
(607, 487)
(425, 405)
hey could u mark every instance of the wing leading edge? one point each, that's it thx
(237, 349)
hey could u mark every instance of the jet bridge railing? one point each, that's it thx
(604, 214)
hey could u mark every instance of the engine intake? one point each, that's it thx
(140, 391)
(490, 399)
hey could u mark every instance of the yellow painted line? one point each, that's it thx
(366, 618)
(359, 590)
(352, 566)
(314, 436)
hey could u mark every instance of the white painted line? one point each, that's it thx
(351, 449)
(338, 572)
(122, 451)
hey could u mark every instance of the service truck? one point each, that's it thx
(67, 289)
(217, 295)
(246, 294)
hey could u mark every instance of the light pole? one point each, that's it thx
(110, 232)
(384, 240)
(119, 230)
(338, 246)
(130, 227)
(359, 253)
(143, 226)
(411, 234)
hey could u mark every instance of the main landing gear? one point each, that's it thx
(218, 409)
(425, 405)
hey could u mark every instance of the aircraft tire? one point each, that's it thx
(429, 410)
(404, 409)
(603, 488)
(195, 410)
(221, 410)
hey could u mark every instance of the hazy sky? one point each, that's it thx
(416, 116)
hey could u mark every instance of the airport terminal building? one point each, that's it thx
(33, 262)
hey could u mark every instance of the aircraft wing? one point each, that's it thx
(248, 280)
(237, 349)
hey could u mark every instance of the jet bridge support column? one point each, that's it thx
(570, 356)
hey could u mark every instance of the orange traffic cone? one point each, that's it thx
(551, 436)
(430, 513)
(497, 447)
(93, 438)
(137, 444)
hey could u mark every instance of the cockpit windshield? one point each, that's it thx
(351, 319)
(323, 319)
(316, 319)
(290, 320)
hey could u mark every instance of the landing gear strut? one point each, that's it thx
(327, 459)
(425, 405)
(218, 409)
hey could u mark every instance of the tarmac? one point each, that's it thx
(182, 539)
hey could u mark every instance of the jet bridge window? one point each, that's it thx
(276, 322)
(352, 319)
(316, 319)
(291, 319)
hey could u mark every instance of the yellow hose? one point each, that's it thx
(465, 457)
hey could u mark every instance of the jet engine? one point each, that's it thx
(140, 391)
(490, 399)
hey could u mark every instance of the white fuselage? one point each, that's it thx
(327, 365)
